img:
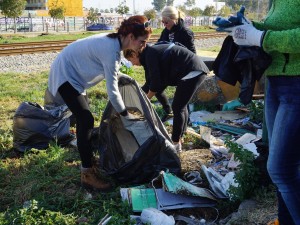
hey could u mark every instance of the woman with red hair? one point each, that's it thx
(83, 64)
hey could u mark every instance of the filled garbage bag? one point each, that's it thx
(135, 151)
(35, 126)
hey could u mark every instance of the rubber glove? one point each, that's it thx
(227, 25)
(231, 105)
(247, 35)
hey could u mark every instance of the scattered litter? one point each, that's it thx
(229, 128)
(104, 220)
(193, 177)
(218, 183)
(175, 185)
(153, 216)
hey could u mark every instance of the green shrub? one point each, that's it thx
(247, 175)
(32, 214)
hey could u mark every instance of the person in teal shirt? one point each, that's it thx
(279, 35)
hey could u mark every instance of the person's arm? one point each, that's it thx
(153, 70)
(111, 69)
(150, 94)
(163, 36)
(286, 41)
(189, 40)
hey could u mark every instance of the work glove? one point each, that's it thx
(231, 105)
(227, 24)
(247, 35)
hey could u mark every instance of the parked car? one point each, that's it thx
(99, 26)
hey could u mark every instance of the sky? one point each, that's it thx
(140, 5)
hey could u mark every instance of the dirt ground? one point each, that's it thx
(264, 210)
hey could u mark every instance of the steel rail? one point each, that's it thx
(48, 46)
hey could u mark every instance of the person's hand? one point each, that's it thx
(131, 117)
(231, 105)
(247, 35)
(150, 94)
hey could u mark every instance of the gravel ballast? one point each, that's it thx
(38, 62)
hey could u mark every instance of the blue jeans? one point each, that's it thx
(283, 124)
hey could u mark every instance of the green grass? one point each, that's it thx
(49, 178)
(21, 38)
(43, 186)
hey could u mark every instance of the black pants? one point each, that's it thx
(79, 106)
(183, 94)
(161, 97)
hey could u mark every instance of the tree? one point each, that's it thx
(122, 8)
(224, 11)
(182, 8)
(209, 11)
(170, 2)
(111, 10)
(159, 4)
(13, 9)
(195, 12)
(150, 14)
(189, 3)
(252, 6)
(92, 15)
(57, 10)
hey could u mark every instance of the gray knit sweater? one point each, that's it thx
(86, 62)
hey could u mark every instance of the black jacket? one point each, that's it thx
(182, 34)
(244, 64)
(168, 69)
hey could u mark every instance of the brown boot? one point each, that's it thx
(273, 222)
(90, 180)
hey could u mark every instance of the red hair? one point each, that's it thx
(137, 25)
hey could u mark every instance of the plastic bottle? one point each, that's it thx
(202, 222)
(155, 217)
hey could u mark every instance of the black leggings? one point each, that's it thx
(79, 106)
(183, 94)
(161, 97)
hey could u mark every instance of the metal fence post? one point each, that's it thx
(43, 24)
(64, 23)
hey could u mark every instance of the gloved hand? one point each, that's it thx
(227, 24)
(231, 105)
(247, 35)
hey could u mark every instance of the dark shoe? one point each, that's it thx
(90, 180)
(167, 117)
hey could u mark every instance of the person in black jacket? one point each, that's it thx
(171, 65)
(175, 31)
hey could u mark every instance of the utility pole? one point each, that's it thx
(133, 7)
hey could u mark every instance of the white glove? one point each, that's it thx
(247, 35)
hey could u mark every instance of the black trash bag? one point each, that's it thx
(35, 126)
(135, 154)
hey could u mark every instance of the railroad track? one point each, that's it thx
(50, 46)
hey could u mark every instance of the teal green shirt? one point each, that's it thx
(282, 38)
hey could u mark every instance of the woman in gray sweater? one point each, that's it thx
(83, 64)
